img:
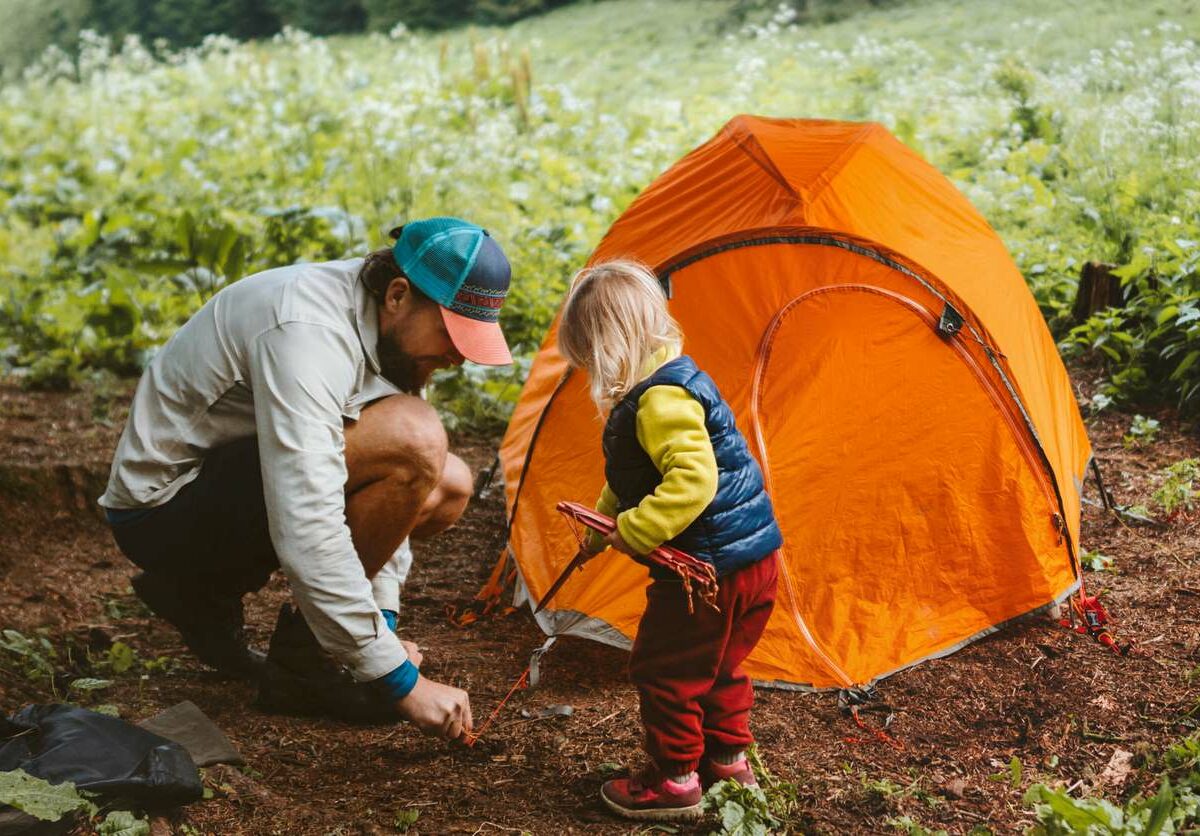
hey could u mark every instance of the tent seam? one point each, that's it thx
(834, 168)
(744, 138)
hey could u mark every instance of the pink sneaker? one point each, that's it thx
(739, 771)
(654, 798)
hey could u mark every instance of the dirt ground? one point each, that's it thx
(1059, 702)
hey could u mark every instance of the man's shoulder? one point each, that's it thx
(320, 293)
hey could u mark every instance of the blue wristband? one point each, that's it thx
(392, 618)
(400, 682)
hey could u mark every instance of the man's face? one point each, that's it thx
(413, 341)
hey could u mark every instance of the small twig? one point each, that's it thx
(504, 827)
(1099, 738)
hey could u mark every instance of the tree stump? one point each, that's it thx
(1098, 289)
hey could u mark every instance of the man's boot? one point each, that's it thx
(211, 627)
(301, 678)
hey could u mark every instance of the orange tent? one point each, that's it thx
(890, 370)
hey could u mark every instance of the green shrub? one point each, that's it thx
(182, 22)
(321, 17)
(444, 14)
(305, 148)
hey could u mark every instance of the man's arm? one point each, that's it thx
(301, 374)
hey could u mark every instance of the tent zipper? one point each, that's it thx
(1018, 430)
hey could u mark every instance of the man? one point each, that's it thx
(281, 427)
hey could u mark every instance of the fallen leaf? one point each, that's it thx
(1118, 769)
(955, 788)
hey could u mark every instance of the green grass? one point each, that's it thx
(1073, 127)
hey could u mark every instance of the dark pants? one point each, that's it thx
(212, 536)
(687, 668)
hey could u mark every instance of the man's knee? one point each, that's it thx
(397, 437)
(456, 486)
(447, 502)
(422, 443)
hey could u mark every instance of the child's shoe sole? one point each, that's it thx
(689, 813)
(656, 813)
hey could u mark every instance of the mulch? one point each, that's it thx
(1056, 701)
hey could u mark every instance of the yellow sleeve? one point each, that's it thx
(670, 428)
(606, 504)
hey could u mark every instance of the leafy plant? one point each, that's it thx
(782, 796)
(1142, 431)
(39, 798)
(1060, 813)
(914, 828)
(34, 654)
(1012, 775)
(743, 810)
(123, 823)
(405, 819)
(1095, 561)
(1176, 490)
(753, 810)
(1174, 808)
(189, 168)
(119, 658)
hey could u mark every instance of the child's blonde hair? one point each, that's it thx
(614, 319)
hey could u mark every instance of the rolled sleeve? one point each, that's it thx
(301, 376)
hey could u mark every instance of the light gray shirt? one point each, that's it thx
(287, 355)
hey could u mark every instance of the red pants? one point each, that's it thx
(694, 696)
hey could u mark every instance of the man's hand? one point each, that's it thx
(414, 652)
(437, 709)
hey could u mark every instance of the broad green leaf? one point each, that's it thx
(185, 234)
(1185, 364)
(1167, 313)
(1160, 809)
(40, 799)
(121, 657)
(234, 264)
(88, 684)
(163, 266)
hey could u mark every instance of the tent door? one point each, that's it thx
(882, 451)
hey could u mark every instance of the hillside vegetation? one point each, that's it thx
(136, 181)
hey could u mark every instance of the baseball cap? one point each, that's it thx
(458, 265)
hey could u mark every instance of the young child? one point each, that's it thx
(679, 472)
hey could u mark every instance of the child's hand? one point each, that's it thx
(616, 541)
(593, 545)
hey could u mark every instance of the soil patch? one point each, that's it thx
(1057, 701)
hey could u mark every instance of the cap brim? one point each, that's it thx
(480, 342)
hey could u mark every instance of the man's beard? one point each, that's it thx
(399, 367)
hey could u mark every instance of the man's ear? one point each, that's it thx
(395, 294)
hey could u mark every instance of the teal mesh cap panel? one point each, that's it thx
(437, 255)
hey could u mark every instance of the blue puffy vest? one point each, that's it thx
(738, 527)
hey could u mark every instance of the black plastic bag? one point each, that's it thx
(99, 754)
